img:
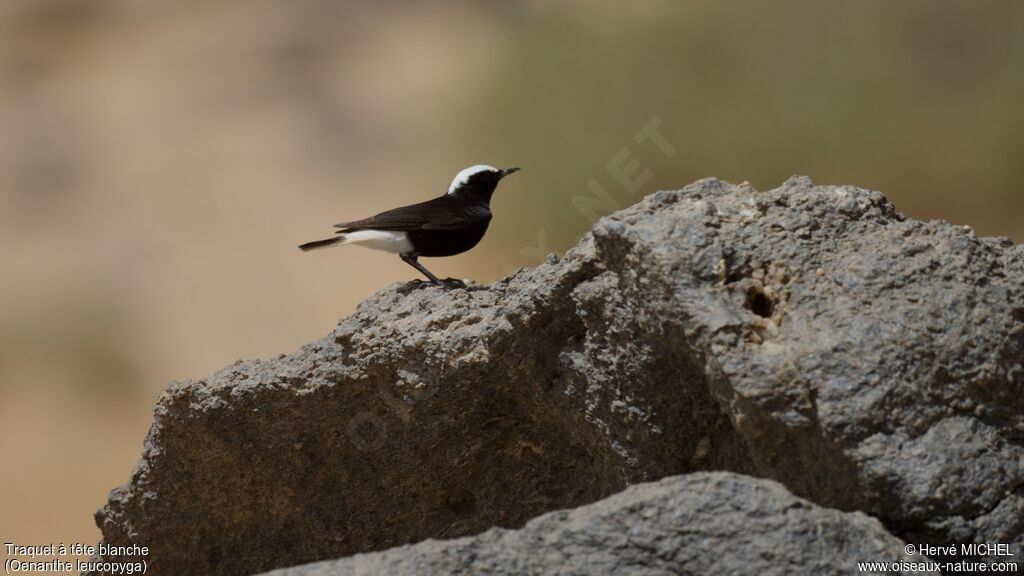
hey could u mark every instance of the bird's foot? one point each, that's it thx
(412, 285)
(417, 284)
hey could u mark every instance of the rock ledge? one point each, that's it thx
(808, 334)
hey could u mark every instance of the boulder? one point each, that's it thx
(808, 334)
(700, 523)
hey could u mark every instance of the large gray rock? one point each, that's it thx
(810, 335)
(702, 523)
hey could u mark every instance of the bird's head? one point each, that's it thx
(479, 181)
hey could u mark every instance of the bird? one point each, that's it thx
(444, 226)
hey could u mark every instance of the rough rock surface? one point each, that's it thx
(702, 523)
(806, 334)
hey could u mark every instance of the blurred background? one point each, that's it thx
(161, 160)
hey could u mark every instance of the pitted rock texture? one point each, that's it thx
(810, 335)
(701, 523)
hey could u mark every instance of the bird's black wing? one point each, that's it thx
(438, 214)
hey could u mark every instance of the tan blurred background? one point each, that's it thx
(160, 160)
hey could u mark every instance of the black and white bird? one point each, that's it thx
(444, 226)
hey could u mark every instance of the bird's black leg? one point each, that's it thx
(410, 259)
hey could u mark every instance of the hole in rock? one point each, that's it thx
(759, 303)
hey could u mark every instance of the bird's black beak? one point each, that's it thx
(508, 171)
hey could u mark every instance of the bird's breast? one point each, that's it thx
(433, 243)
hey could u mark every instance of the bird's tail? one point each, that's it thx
(326, 243)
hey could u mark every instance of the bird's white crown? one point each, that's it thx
(464, 176)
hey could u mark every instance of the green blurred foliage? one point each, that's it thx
(919, 99)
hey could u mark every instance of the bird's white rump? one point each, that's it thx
(384, 240)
